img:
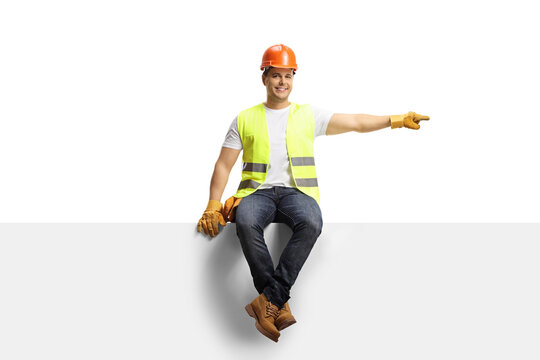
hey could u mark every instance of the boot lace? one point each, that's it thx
(272, 310)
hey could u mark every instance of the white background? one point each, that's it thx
(115, 111)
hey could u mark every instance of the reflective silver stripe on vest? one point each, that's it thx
(248, 184)
(255, 167)
(307, 182)
(303, 161)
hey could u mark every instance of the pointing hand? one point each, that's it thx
(409, 120)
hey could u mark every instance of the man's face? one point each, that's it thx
(278, 83)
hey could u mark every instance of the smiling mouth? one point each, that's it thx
(281, 89)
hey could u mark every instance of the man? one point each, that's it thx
(279, 183)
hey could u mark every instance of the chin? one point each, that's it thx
(282, 96)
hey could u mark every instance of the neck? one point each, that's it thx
(276, 105)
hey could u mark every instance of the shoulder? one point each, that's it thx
(318, 110)
(250, 118)
(251, 109)
(322, 114)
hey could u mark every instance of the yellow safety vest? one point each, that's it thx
(253, 131)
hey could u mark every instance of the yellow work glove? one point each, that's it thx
(229, 209)
(210, 219)
(409, 120)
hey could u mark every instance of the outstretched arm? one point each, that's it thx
(342, 123)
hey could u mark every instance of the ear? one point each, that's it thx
(263, 79)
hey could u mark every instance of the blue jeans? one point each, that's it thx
(283, 205)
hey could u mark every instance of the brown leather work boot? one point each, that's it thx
(285, 318)
(265, 314)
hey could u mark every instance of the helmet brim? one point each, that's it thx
(278, 66)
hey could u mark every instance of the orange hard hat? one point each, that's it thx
(279, 56)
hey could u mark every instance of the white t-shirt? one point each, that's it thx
(279, 170)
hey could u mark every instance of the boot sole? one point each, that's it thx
(286, 324)
(262, 330)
